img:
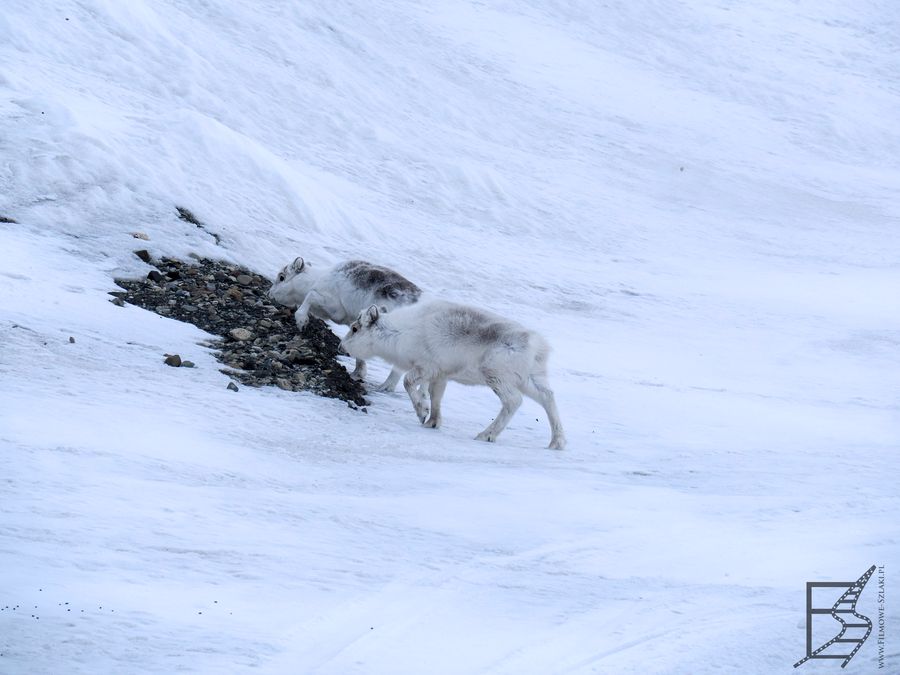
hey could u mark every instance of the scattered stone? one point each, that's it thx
(118, 302)
(259, 343)
(4, 219)
(173, 360)
(187, 364)
(71, 340)
(140, 235)
(187, 216)
(144, 255)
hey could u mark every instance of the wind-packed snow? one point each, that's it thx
(695, 202)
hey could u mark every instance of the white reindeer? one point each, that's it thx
(340, 293)
(438, 341)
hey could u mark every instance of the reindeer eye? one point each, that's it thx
(354, 328)
(281, 277)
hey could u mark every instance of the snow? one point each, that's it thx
(694, 202)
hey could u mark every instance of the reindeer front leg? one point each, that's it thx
(412, 382)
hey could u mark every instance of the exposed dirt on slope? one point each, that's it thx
(258, 341)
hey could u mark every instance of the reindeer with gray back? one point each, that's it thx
(340, 293)
(438, 341)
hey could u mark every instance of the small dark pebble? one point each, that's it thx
(71, 340)
(155, 276)
(187, 364)
(144, 255)
(173, 360)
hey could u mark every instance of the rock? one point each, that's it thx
(282, 383)
(140, 235)
(173, 360)
(118, 302)
(232, 386)
(234, 293)
(187, 364)
(144, 255)
(155, 276)
(244, 279)
(71, 340)
(240, 334)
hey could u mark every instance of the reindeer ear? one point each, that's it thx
(372, 314)
(298, 265)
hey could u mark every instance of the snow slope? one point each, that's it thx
(695, 202)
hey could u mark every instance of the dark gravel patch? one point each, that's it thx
(259, 341)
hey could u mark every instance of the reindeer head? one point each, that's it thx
(292, 283)
(360, 339)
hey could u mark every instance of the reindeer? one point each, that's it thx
(340, 293)
(437, 341)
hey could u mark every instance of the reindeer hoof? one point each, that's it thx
(432, 422)
(485, 436)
